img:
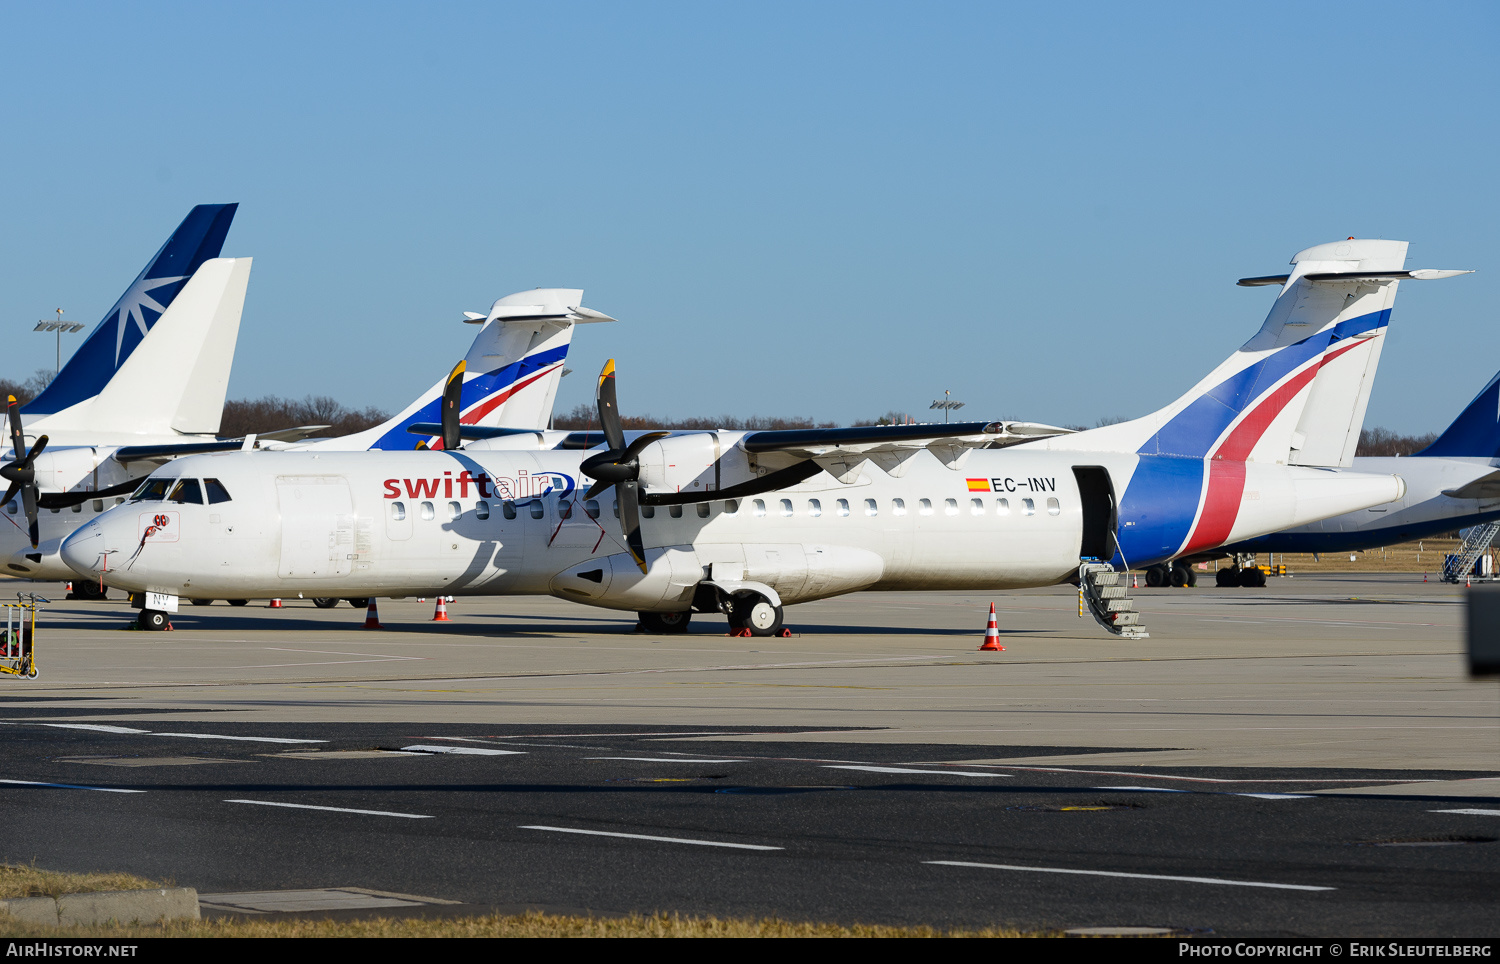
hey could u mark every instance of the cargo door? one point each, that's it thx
(317, 526)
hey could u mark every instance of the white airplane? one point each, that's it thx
(148, 385)
(745, 523)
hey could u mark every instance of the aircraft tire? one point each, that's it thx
(665, 623)
(1184, 577)
(237, 602)
(1252, 578)
(1227, 577)
(152, 620)
(325, 602)
(754, 612)
(87, 590)
(361, 602)
(203, 602)
(1158, 576)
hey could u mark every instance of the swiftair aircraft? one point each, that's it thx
(745, 523)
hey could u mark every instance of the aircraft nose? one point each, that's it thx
(84, 550)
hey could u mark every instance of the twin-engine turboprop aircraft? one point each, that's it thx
(745, 523)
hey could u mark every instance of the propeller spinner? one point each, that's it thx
(21, 472)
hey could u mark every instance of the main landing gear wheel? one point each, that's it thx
(151, 620)
(1184, 576)
(754, 612)
(325, 602)
(203, 602)
(238, 602)
(1225, 578)
(1158, 576)
(665, 623)
(361, 602)
(1253, 578)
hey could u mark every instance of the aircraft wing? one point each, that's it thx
(841, 451)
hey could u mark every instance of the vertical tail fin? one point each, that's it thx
(199, 238)
(1476, 431)
(513, 369)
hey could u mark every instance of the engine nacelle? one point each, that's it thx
(683, 463)
(65, 469)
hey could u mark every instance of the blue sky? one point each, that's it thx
(830, 209)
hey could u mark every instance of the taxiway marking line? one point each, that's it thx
(247, 739)
(308, 806)
(1472, 811)
(947, 773)
(659, 759)
(461, 750)
(1116, 873)
(68, 786)
(642, 836)
(96, 727)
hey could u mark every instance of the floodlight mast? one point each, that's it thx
(58, 326)
(947, 404)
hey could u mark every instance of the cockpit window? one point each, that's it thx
(187, 491)
(216, 491)
(152, 490)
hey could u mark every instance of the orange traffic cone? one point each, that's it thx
(1424, 577)
(1135, 581)
(275, 604)
(421, 599)
(372, 618)
(992, 635)
(440, 615)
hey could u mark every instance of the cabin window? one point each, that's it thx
(760, 508)
(428, 512)
(950, 507)
(454, 511)
(98, 505)
(871, 509)
(398, 511)
(481, 510)
(77, 506)
(615, 505)
(786, 508)
(152, 490)
(898, 507)
(119, 500)
(675, 511)
(1028, 507)
(538, 509)
(56, 511)
(1002, 507)
(731, 506)
(591, 508)
(1053, 508)
(703, 510)
(924, 506)
(976, 507)
(216, 491)
(508, 509)
(814, 508)
(564, 509)
(648, 512)
(12, 506)
(842, 510)
(187, 491)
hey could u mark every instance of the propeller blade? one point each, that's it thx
(10, 493)
(28, 502)
(609, 409)
(635, 448)
(453, 408)
(593, 492)
(630, 520)
(17, 437)
(36, 450)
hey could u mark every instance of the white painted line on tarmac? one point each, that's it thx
(68, 786)
(96, 727)
(1113, 873)
(247, 739)
(462, 750)
(1475, 812)
(642, 836)
(946, 773)
(308, 806)
(1273, 796)
(660, 759)
(1144, 789)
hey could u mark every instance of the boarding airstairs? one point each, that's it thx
(1103, 592)
(1458, 565)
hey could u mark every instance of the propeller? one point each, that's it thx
(453, 407)
(619, 467)
(20, 473)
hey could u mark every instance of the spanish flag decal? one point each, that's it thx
(979, 485)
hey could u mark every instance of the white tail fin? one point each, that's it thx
(175, 382)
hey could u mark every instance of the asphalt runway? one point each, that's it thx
(1306, 759)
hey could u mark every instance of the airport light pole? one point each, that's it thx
(58, 326)
(947, 404)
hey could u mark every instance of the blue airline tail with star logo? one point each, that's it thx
(109, 346)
